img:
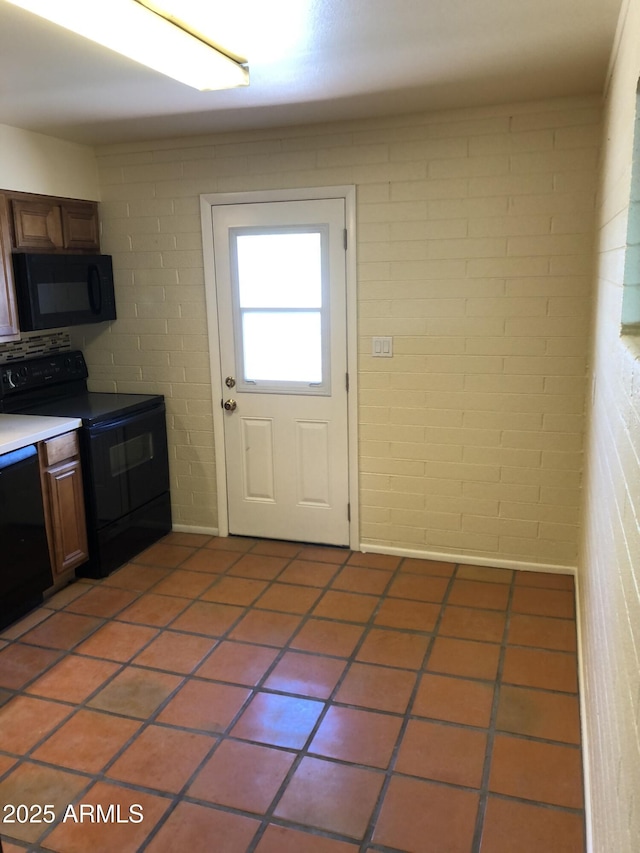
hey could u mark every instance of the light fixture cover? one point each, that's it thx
(132, 29)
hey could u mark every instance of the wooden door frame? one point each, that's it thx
(207, 200)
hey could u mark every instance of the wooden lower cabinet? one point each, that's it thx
(62, 490)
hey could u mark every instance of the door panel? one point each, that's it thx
(258, 461)
(312, 445)
(281, 298)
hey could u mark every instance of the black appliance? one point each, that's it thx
(53, 291)
(25, 571)
(123, 447)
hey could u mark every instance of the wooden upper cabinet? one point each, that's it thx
(37, 225)
(52, 224)
(9, 330)
(80, 226)
(42, 223)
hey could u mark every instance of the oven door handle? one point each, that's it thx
(94, 289)
(126, 420)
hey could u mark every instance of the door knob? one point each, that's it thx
(230, 405)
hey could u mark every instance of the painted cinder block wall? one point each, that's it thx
(609, 577)
(474, 233)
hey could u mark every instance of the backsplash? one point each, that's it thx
(33, 344)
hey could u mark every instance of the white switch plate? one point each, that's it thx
(382, 347)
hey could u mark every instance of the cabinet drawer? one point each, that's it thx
(60, 448)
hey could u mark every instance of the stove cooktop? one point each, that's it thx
(95, 407)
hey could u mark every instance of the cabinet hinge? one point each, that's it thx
(345, 239)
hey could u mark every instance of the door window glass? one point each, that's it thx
(279, 270)
(280, 300)
(281, 346)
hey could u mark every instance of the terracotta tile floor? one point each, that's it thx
(243, 695)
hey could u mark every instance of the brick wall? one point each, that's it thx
(474, 252)
(610, 566)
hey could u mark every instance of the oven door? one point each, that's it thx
(126, 464)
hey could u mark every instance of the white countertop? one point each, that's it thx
(18, 431)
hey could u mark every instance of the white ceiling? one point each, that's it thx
(310, 61)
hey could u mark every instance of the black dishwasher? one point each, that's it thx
(25, 570)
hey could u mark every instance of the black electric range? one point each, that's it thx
(123, 445)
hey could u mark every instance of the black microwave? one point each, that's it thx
(53, 291)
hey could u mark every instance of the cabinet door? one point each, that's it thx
(66, 503)
(9, 330)
(80, 226)
(37, 224)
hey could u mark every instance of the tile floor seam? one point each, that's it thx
(373, 820)
(552, 807)
(328, 703)
(548, 690)
(543, 648)
(57, 648)
(491, 729)
(144, 724)
(181, 795)
(269, 815)
(68, 607)
(274, 820)
(77, 706)
(304, 752)
(285, 647)
(533, 739)
(249, 608)
(77, 798)
(73, 709)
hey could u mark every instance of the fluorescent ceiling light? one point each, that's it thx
(144, 32)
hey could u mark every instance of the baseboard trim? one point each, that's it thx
(584, 732)
(420, 554)
(468, 559)
(189, 528)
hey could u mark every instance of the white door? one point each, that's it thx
(281, 297)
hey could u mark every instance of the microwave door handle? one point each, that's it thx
(94, 289)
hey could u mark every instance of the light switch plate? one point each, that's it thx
(382, 347)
